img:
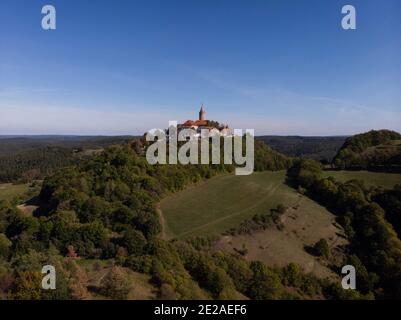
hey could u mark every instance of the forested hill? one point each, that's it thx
(24, 158)
(104, 208)
(10, 145)
(318, 148)
(268, 159)
(376, 149)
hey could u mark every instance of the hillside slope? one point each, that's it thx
(318, 148)
(380, 150)
(224, 202)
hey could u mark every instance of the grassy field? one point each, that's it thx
(223, 202)
(8, 191)
(387, 180)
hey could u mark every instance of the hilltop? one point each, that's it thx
(375, 150)
(321, 149)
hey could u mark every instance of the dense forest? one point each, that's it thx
(318, 148)
(23, 158)
(15, 144)
(268, 159)
(34, 164)
(26, 158)
(373, 150)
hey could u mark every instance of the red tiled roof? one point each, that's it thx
(190, 123)
(201, 123)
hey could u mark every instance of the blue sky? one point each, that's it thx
(122, 67)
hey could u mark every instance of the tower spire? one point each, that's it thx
(202, 113)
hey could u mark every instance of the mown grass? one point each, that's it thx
(223, 202)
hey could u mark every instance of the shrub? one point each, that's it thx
(321, 248)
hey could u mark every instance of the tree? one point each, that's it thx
(5, 245)
(134, 241)
(71, 252)
(78, 280)
(304, 173)
(293, 275)
(94, 208)
(115, 284)
(220, 284)
(321, 248)
(27, 286)
(265, 284)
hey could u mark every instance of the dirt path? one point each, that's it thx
(27, 209)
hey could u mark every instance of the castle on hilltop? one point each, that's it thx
(202, 123)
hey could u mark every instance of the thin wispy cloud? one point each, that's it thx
(16, 92)
(69, 120)
(282, 111)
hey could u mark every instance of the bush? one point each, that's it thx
(134, 241)
(5, 245)
(321, 248)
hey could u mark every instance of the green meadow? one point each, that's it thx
(221, 203)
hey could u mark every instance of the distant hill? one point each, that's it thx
(318, 148)
(23, 158)
(16, 144)
(376, 149)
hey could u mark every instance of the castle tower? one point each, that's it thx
(202, 113)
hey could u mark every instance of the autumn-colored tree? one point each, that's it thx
(115, 284)
(78, 281)
(71, 252)
(6, 280)
(27, 286)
